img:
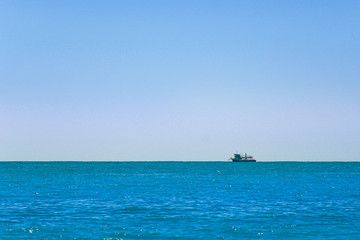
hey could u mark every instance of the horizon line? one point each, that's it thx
(175, 161)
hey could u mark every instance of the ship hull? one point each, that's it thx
(234, 160)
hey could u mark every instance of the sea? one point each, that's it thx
(179, 200)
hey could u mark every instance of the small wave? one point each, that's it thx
(133, 209)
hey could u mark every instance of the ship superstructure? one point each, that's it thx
(242, 158)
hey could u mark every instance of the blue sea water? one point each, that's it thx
(179, 200)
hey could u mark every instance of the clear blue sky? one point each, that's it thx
(179, 80)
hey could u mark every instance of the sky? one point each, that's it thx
(179, 80)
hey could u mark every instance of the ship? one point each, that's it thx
(242, 158)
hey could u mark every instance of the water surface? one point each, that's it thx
(179, 200)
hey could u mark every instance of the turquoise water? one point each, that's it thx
(179, 200)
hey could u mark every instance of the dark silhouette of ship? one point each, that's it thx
(242, 158)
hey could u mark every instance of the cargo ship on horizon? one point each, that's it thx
(242, 158)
